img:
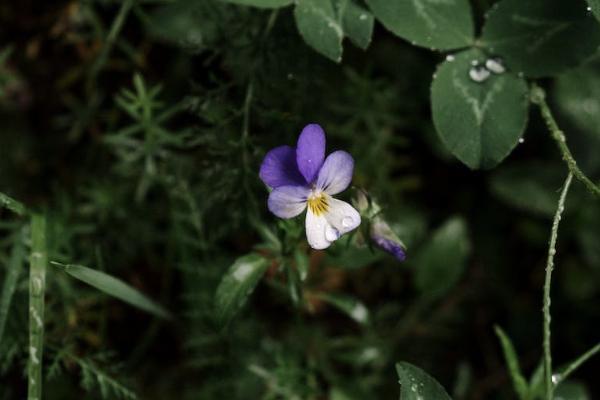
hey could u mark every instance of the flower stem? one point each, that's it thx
(37, 283)
(547, 283)
(538, 96)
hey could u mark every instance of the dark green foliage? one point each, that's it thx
(139, 128)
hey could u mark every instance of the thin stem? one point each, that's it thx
(37, 284)
(15, 264)
(577, 363)
(12, 204)
(538, 96)
(547, 283)
(115, 29)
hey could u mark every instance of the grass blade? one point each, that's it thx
(114, 287)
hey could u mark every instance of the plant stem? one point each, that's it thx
(547, 282)
(15, 264)
(577, 363)
(538, 96)
(37, 283)
(115, 29)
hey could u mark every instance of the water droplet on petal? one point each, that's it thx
(479, 73)
(331, 234)
(347, 222)
(495, 65)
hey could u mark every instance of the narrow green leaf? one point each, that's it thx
(441, 262)
(302, 264)
(237, 284)
(350, 306)
(12, 204)
(416, 384)
(512, 362)
(595, 7)
(435, 24)
(262, 3)
(541, 37)
(15, 264)
(479, 120)
(113, 287)
(319, 26)
(358, 24)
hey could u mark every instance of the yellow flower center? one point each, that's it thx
(317, 203)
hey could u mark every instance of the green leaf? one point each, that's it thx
(113, 287)
(358, 24)
(237, 284)
(529, 186)
(12, 204)
(595, 7)
(479, 122)
(441, 262)
(416, 384)
(571, 391)
(262, 3)
(577, 93)
(541, 37)
(510, 356)
(435, 24)
(320, 27)
(348, 305)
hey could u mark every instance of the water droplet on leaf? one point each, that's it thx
(479, 73)
(495, 65)
(521, 140)
(450, 58)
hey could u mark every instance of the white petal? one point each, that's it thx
(316, 227)
(323, 230)
(342, 216)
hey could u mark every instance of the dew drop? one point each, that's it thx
(474, 62)
(450, 58)
(347, 222)
(479, 73)
(362, 17)
(552, 252)
(495, 65)
(331, 233)
(555, 378)
(521, 140)
(589, 8)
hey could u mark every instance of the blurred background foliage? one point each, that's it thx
(146, 156)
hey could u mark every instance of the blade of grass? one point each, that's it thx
(113, 287)
(37, 284)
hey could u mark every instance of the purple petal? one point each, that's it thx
(288, 201)
(336, 173)
(391, 247)
(310, 152)
(279, 168)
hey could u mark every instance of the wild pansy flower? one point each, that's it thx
(380, 233)
(302, 178)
